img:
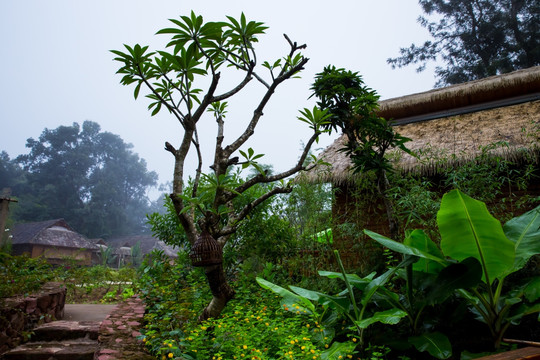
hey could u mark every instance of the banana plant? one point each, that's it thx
(342, 305)
(429, 280)
(468, 231)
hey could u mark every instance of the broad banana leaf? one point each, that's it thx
(340, 303)
(468, 230)
(532, 291)
(353, 279)
(390, 317)
(436, 344)
(338, 351)
(403, 248)
(463, 275)
(292, 301)
(419, 239)
(524, 232)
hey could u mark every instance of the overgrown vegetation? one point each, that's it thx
(453, 283)
(23, 276)
(419, 306)
(425, 297)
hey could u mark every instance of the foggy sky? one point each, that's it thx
(57, 68)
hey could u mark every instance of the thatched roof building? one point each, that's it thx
(53, 239)
(451, 125)
(448, 126)
(148, 243)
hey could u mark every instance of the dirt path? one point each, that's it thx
(87, 312)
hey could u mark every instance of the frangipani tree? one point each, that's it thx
(199, 53)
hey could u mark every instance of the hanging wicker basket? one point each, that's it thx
(205, 251)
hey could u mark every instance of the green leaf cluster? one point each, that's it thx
(353, 107)
(198, 48)
(474, 240)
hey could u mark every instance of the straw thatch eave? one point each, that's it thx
(518, 86)
(453, 124)
(52, 233)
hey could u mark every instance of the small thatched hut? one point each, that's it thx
(147, 244)
(54, 240)
(448, 126)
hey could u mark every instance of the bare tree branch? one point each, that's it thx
(250, 129)
(234, 221)
(198, 171)
(234, 91)
(170, 148)
(187, 219)
(261, 178)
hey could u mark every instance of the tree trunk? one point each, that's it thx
(383, 186)
(222, 292)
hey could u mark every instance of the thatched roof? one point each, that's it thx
(451, 125)
(54, 233)
(146, 242)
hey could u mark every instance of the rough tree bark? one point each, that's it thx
(222, 292)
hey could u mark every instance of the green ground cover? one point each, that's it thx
(458, 302)
(21, 276)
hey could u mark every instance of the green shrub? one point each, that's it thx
(254, 325)
(22, 275)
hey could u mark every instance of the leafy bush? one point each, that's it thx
(22, 275)
(255, 325)
(91, 284)
(476, 255)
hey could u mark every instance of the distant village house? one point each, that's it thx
(53, 240)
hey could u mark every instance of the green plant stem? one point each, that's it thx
(499, 338)
(410, 285)
(349, 287)
(417, 319)
(482, 310)
(489, 310)
(357, 315)
(498, 291)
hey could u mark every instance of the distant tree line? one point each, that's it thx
(476, 39)
(90, 178)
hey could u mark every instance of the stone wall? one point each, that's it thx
(19, 315)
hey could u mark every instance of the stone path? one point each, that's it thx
(87, 312)
(59, 340)
(89, 332)
(118, 333)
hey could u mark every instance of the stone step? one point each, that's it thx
(76, 349)
(66, 330)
